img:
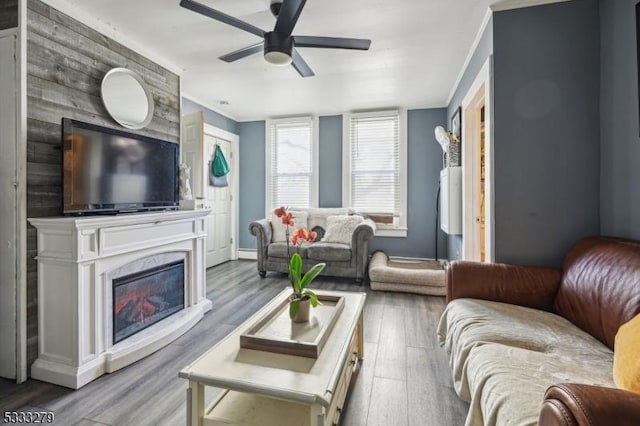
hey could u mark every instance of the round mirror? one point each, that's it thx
(127, 98)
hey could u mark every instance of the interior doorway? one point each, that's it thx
(219, 235)
(197, 145)
(477, 170)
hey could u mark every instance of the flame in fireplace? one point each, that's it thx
(138, 305)
(145, 298)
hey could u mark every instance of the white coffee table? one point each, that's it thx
(270, 389)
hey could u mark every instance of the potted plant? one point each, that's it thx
(301, 298)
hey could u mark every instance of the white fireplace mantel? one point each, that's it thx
(76, 259)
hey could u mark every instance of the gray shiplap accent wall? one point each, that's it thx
(66, 61)
(619, 140)
(478, 58)
(546, 134)
(8, 14)
(210, 116)
(424, 163)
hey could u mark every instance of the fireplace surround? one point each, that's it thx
(80, 258)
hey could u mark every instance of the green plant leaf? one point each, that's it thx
(294, 305)
(311, 275)
(313, 298)
(295, 272)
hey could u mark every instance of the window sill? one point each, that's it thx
(391, 232)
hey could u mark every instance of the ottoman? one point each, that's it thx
(422, 276)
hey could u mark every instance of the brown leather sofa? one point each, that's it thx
(597, 290)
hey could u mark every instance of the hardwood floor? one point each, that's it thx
(404, 379)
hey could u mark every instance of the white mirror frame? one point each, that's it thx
(113, 105)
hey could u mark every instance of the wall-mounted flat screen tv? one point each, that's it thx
(110, 171)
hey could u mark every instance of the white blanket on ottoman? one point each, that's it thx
(503, 357)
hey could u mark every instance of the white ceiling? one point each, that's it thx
(417, 51)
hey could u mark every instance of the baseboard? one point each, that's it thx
(247, 254)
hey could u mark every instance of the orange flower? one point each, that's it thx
(287, 219)
(280, 211)
(301, 235)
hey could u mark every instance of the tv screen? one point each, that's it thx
(111, 171)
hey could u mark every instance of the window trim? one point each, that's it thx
(315, 157)
(381, 230)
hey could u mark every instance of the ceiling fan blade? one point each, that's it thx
(332, 42)
(222, 17)
(288, 16)
(243, 53)
(300, 65)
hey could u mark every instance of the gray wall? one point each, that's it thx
(546, 135)
(210, 117)
(619, 141)
(330, 133)
(424, 163)
(479, 57)
(252, 183)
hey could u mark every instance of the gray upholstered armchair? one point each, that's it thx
(342, 259)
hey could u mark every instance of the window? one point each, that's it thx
(292, 163)
(374, 169)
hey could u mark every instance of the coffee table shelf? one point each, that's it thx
(265, 388)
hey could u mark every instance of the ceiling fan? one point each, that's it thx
(279, 45)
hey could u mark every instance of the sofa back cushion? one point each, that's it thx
(318, 215)
(600, 288)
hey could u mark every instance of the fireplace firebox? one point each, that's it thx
(143, 298)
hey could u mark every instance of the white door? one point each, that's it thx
(219, 221)
(8, 208)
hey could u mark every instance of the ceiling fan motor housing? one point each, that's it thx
(278, 48)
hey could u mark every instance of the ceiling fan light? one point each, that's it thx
(278, 48)
(277, 58)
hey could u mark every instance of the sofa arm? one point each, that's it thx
(530, 286)
(360, 247)
(262, 230)
(581, 405)
(363, 232)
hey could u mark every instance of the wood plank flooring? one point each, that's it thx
(404, 379)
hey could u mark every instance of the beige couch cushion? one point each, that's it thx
(503, 357)
(340, 228)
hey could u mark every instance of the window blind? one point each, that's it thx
(291, 164)
(375, 164)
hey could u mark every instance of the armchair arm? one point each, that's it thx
(572, 404)
(530, 286)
